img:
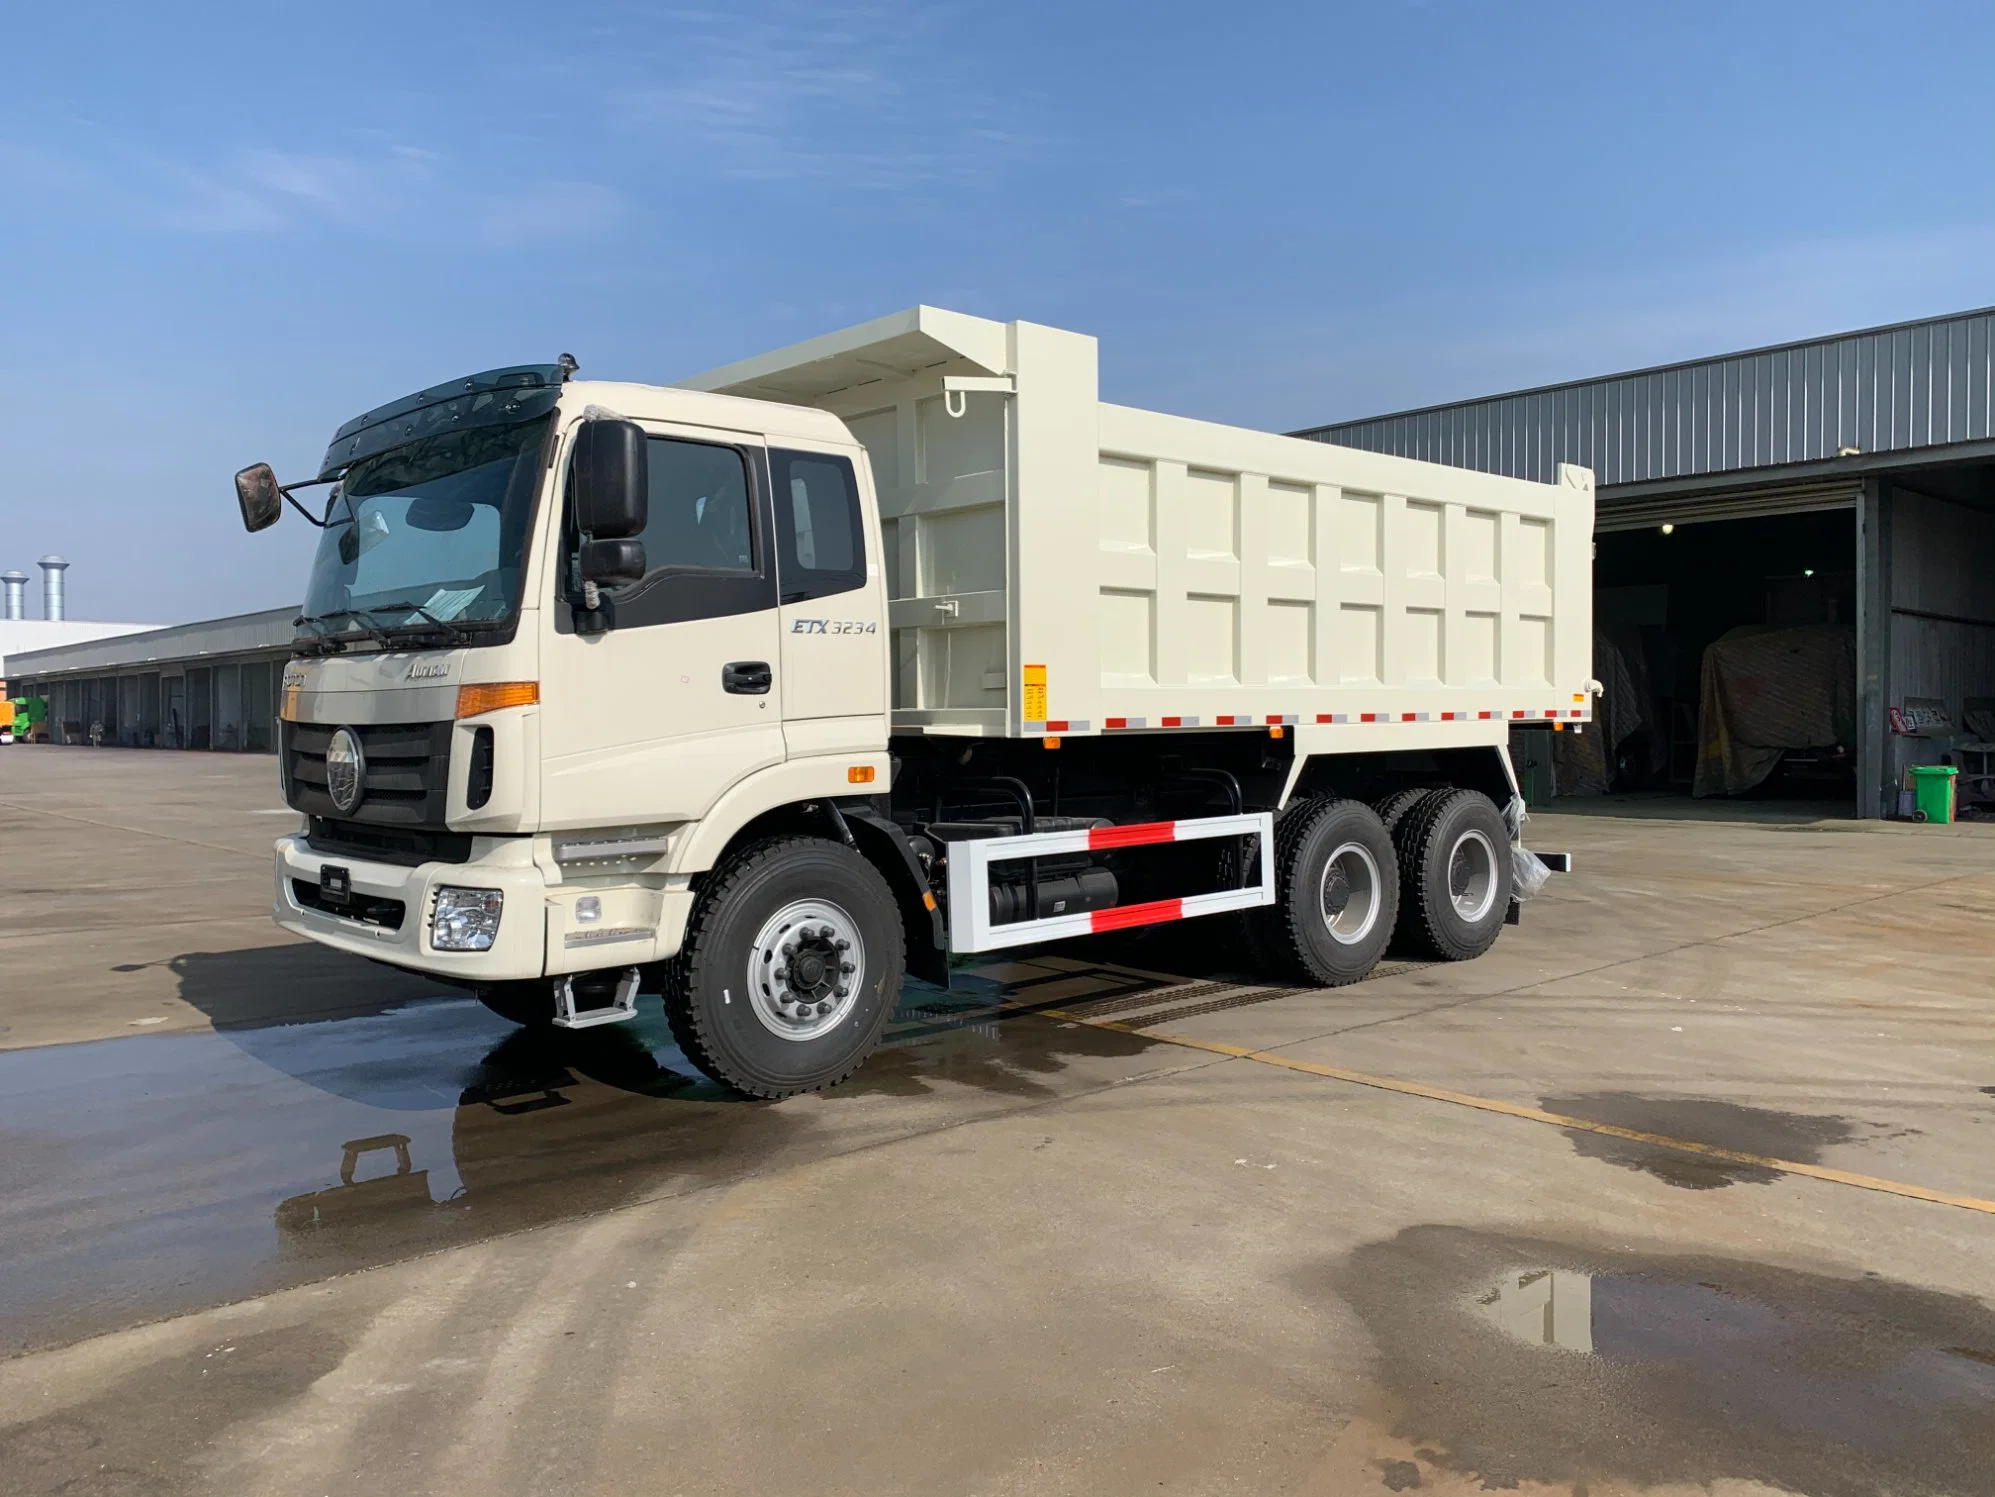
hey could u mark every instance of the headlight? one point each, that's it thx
(465, 919)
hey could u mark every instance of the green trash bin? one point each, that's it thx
(1932, 792)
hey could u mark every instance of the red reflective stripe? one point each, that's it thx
(1140, 834)
(1516, 714)
(1407, 717)
(1115, 722)
(1173, 722)
(1485, 714)
(1057, 727)
(1368, 717)
(1277, 717)
(1325, 717)
(1154, 913)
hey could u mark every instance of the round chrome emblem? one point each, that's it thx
(346, 771)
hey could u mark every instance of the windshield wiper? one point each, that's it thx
(357, 615)
(449, 630)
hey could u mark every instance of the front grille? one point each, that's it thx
(406, 846)
(408, 772)
(368, 909)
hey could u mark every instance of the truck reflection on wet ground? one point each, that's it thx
(1512, 1360)
(213, 1166)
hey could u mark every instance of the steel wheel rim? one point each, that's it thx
(1349, 893)
(1472, 876)
(806, 969)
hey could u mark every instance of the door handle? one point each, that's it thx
(749, 678)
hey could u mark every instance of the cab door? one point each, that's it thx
(656, 718)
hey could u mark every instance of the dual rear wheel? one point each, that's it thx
(1429, 869)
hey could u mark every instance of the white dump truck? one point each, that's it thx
(900, 645)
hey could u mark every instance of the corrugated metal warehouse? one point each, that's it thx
(211, 685)
(1840, 491)
(1794, 575)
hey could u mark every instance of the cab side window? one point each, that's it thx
(705, 540)
(700, 511)
(820, 543)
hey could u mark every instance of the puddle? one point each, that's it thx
(1800, 1137)
(157, 1174)
(1515, 1361)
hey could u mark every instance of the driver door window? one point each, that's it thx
(705, 545)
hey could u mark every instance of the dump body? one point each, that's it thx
(1058, 564)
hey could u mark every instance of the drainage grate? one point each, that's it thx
(1239, 999)
(1149, 997)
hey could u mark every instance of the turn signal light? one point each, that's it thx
(859, 774)
(490, 696)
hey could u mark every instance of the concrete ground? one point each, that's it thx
(275, 1221)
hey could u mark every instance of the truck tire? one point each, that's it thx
(1396, 805)
(1336, 894)
(530, 1004)
(759, 997)
(1454, 860)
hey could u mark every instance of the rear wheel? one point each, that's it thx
(792, 961)
(1454, 859)
(1336, 893)
(1395, 806)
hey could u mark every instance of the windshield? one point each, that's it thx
(427, 535)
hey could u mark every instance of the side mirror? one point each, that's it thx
(613, 563)
(259, 497)
(610, 493)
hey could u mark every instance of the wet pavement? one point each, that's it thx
(160, 1174)
(1107, 1220)
(1518, 1360)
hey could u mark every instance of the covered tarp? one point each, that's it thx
(1765, 690)
(1584, 763)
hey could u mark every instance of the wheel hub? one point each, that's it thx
(806, 969)
(1350, 893)
(1472, 876)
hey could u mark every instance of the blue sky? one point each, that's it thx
(224, 229)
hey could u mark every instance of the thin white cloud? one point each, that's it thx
(388, 189)
(858, 95)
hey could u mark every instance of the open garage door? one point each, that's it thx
(1725, 638)
(1746, 504)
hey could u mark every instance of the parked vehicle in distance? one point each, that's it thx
(766, 688)
(23, 719)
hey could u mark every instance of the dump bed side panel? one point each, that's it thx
(1239, 574)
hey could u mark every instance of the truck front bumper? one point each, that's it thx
(546, 927)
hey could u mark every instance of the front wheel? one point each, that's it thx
(1336, 893)
(792, 962)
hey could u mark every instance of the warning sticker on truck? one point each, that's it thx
(1033, 709)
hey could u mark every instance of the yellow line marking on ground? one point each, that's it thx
(1536, 1114)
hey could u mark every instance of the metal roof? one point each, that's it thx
(244, 634)
(1894, 389)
